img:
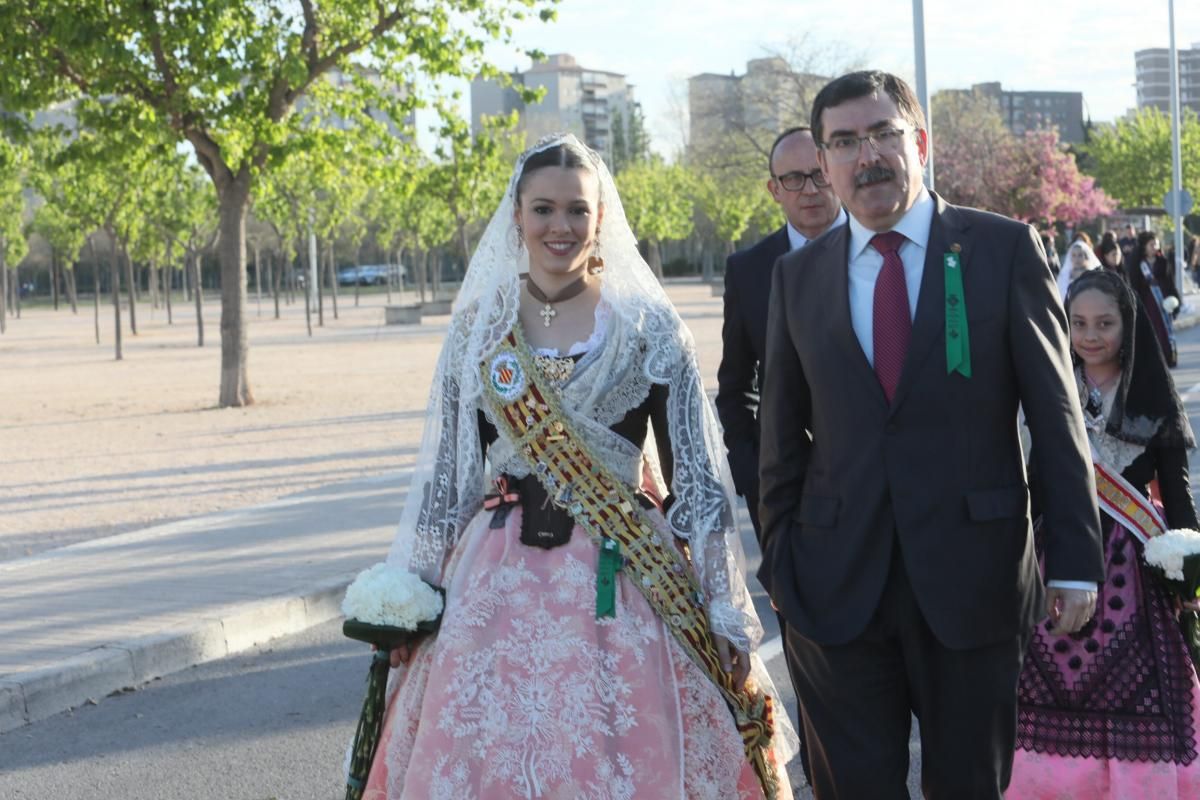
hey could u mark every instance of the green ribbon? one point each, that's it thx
(958, 339)
(606, 578)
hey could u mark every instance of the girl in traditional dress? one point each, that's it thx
(597, 636)
(1153, 280)
(1114, 710)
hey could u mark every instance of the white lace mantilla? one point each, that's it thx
(644, 342)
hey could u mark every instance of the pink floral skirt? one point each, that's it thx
(523, 693)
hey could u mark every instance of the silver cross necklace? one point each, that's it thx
(548, 311)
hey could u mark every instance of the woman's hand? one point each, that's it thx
(401, 655)
(1191, 605)
(733, 661)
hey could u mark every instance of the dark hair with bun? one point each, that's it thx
(564, 155)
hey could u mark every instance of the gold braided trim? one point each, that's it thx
(1127, 505)
(604, 506)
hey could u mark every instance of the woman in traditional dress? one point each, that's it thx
(1114, 710)
(1153, 280)
(1079, 259)
(597, 636)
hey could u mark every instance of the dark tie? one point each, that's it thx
(892, 323)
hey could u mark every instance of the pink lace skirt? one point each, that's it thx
(523, 693)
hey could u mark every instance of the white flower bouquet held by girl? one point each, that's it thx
(1176, 554)
(385, 607)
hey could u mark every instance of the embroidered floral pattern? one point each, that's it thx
(525, 694)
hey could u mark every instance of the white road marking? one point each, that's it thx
(1188, 394)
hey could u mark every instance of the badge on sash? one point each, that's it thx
(508, 379)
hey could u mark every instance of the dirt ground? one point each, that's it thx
(91, 446)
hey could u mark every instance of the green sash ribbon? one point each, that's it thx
(606, 578)
(958, 339)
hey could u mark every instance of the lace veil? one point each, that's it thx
(450, 477)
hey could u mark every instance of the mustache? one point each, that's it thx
(873, 175)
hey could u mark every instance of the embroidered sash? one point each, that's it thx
(604, 507)
(1124, 503)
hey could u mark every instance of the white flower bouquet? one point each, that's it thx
(385, 596)
(1176, 554)
(386, 607)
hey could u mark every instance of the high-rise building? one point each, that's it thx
(1025, 111)
(577, 99)
(1154, 78)
(767, 99)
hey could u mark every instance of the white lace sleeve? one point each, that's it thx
(702, 508)
(448, 479)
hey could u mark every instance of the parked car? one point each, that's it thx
(373, 274)
(370, 275)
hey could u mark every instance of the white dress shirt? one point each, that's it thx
(865, 265)
(796, 239)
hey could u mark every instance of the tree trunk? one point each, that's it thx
(168, 270)
(273, 266)
(437, 275)
(95, 287)
(193, 265)
(131, 290)
(54, 278)
(115, 278)
(3, 284)
(316, 276)
(168, 275)
(358, 273)
(656, 259)
(15, 284)
(306, 265)
(331, 271)
(72, 292)
(257, 281)
(465, 244)
(233, 202)
(426, 272)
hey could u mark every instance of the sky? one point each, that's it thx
(1063, 45)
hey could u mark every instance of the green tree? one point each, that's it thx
(1132, 159)
(658, 202)
(472, 174)
(225, 76)
(66, 238)
(14, 161)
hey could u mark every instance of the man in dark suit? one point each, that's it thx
(810, 208)
(896, 532)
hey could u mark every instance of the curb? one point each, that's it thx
(27, 697)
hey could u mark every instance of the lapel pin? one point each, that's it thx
(956, 248)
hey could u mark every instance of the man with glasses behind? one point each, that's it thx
(896, 534)
(810, 208)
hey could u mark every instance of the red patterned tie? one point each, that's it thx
(892, 323)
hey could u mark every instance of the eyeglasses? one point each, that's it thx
(795, 181)
(844, 149)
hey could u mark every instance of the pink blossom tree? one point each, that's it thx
(980, 163)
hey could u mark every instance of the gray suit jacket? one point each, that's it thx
(844, 477)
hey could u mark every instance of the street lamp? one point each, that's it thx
(922, 86)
